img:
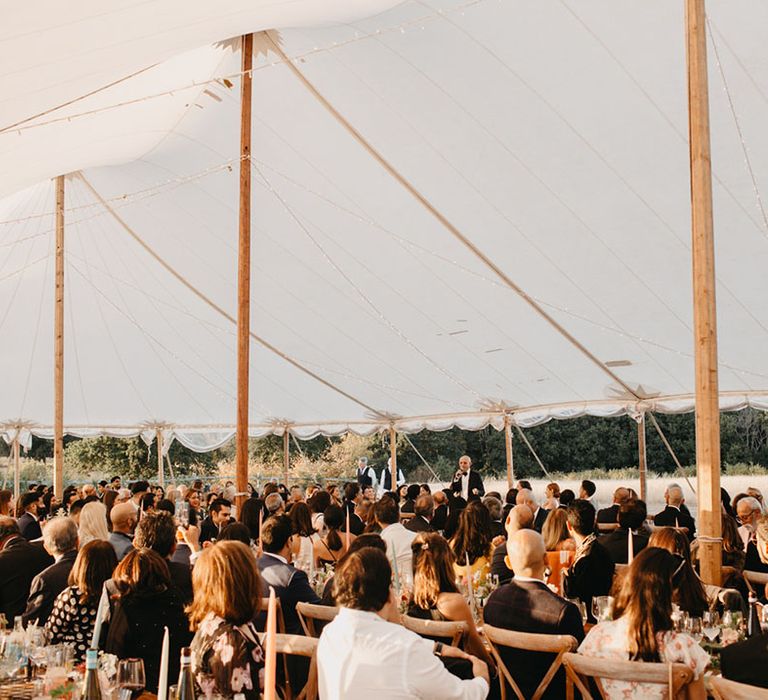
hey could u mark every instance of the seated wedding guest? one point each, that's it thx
(555, 532)
(440, 511)
(249, 516)
(237, 532)
(20, 562)
(673, 515)
(92, 524)
(227, 656)
(509, 503)
(109, 499)
(566, 498)
(6, 502)
(74, 609)
(748, 512)
(219, 515)
(631, 517)
(29, 519)
(588, 492)
(304, 536)
(398, 539)
(411, 494)
(329, 549)
(435, 594)
(526, 604)
(456, 505)
(472, 541)
(366, 653)
(591, 573)
(353, 497)
(143, 602)
(195, 499)
(610, 515)
(365, 540)
(688, 590)
(291, 584)
(757, 494)
(317, 504)
(423, 510)
(60, 541)
(157, 531)
(519, 518)
(123, 523)
(494, 507)
(642, 629)
(525, 498)
(274, 504)
(551, 496)
(733, 553)
(757, 550)
(746, 661)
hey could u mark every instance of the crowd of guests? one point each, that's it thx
(189, 560)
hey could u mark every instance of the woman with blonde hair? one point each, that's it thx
(555, 532)
(435, 594)
(226, 652)
(93, 523)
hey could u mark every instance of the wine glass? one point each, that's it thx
(694, 629)
(130, 678)
(710, 625)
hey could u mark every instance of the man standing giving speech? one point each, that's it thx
(467, 482)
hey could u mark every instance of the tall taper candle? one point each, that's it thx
(162, 681)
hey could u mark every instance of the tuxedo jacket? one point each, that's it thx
(590, 576)
(29, 527)
(291, 586)
(529, 606)
(475, 482)
(20, 562)
(418, 524)
(672, 517)
(538, 521)
(46, 586)
(608, 515)
(617, 545)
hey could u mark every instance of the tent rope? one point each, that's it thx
(527, 442)
(670, 450)
(421, 457)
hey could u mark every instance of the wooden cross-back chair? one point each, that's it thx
(580, 669)
(452, 633)
(310, 613)
(297, 645)
(557, 644)
(281, 630)
(722, 689)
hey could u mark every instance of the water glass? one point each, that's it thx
(694, 628)
(602, 607)
(581, 607)
(710, 625)
(130, 678)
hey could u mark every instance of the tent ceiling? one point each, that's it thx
(547, 134)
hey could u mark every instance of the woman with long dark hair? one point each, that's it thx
(435, 594)
(642, 629)
(473, 539)
(329, 549)
(249, 516)
(304, 535)
(317, 504)
(688, 590)
(195, 499)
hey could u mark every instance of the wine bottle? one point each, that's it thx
(753, 622)
(186, 685)
(91, 689)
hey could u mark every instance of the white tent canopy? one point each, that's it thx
(520, 245)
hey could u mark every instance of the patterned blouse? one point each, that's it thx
(608, 640)
(71, 621)
(227, 659)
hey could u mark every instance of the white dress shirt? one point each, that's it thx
(465, 485)
(361, 656)
(398, 541)
(746, 535)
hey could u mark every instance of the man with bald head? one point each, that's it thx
(526, 604)
(673, 515)
(467, 482)
(519, 518)
(609, 516)
(124, 519)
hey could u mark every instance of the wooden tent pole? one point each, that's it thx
(641, 457)
(704, 305)
(160, 470)
(58, 347)
(286, 454)
(393, 458)
(510, 457)
(16, 468)
(244, 272)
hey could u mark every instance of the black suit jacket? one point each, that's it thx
(181, 579)
(418, 524)
(29, 527)
(291, 586)
(608, 515)
(617, 546)
(747, 661)
(538, 521)
(672, 517)
(529, 606)
(475, 482)
(46, 586)
(20, 562)
(440, 517)
(590, 576)
(499, 565)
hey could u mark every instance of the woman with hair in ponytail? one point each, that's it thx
(435, 594)
(642, 629)
(333, 546)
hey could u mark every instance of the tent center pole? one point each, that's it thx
(58, 347)
(160, 470)
(393, 457)
(641, 457)
(286, 454)
(510, 454)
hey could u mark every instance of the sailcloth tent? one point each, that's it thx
(461, 210)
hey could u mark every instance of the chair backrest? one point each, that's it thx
(579, 669)
(557, 644)
(755, 577)
(723, 689)
(297, 645)
(443, 631)
(607, 527)
(309, 612)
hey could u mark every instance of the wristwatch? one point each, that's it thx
(438, 649)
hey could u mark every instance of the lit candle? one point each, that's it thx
(101, 612)
(630, 547)
(162, 681)
(348, 532)
(261, 523)
(270, 662)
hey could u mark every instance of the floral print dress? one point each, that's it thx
(227, 659)
(609, 640)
